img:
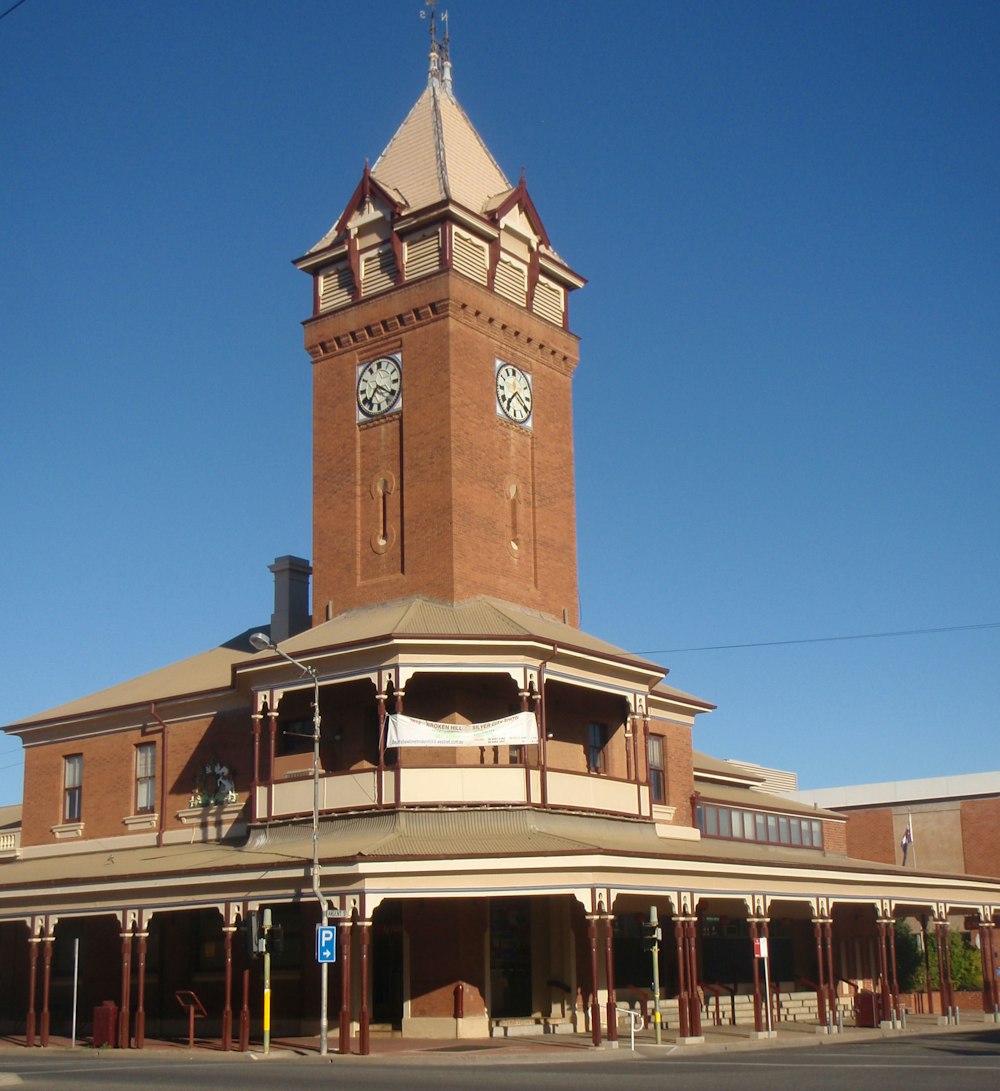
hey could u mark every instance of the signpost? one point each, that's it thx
(326, 944)
(760, 951)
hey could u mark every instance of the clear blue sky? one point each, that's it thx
(786, 409)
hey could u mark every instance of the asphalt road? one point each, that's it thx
(969, 1061)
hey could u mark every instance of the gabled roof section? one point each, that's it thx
(436, 155)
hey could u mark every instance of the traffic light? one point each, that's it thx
(251, 933)
(651, 932)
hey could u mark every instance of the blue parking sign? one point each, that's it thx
(326, 943)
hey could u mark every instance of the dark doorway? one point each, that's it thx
(510, 958)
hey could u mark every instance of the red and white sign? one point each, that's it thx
(760, 947)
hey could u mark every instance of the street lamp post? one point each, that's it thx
(264, 643)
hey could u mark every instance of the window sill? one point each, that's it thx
(67, 829)
(148, 820)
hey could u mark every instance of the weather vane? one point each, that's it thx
(440, 58)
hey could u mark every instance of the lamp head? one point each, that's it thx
(260, 642)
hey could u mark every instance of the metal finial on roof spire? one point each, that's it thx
(440, 58)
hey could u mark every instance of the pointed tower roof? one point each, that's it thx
(436, 155)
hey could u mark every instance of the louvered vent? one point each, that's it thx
(423, 256)
(511, 281)
(336, 287)
(378, 271)
(549, 300)
(469, 258)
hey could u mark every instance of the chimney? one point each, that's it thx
(291, 597)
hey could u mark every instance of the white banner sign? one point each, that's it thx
(518, 730)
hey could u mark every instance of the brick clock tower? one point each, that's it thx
(443, 365)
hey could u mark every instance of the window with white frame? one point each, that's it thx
(73, 788)
(145, 777)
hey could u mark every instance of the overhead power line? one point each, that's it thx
(825, 639)
(4, 14)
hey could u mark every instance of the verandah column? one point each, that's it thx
(682, 987)
(29, 1032)
(831, 980)
(595, 1007)
(820, 974)
(140, 1012)
(893, 973)
(609, 973)
(124, 1013)
(691, 938)
(227, 1003)
(944, 966)
(43, 1038)
(758, 1012)
(344, 942)
(365, 937)
(883, 963)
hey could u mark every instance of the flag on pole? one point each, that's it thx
(907, 839)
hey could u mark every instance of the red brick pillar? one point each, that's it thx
(609, 973)
(140, 1012)
(820, 974)
(43, 1038)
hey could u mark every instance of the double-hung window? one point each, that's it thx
(73, 788)
(657, 781)
(145, 777)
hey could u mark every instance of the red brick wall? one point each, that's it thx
(109, 773)
(449, 453)
(981, 836)
(870, 835)
(835, 836)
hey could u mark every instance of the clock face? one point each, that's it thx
(380, 384)
(513, 393)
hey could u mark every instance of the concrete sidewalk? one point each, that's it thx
(548, 1047)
